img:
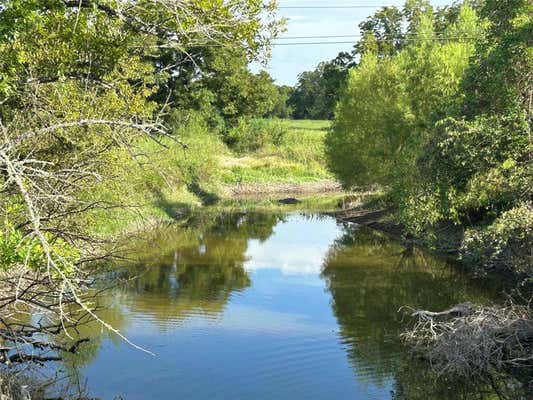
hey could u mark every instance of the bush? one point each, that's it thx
(506, 243)
(252, 135)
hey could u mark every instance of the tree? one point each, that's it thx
(77, 79)
(218, 81)
(316, 93)
(382, 33)
(388, 104)
(281, 107)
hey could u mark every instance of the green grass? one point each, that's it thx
(160, 184)
(299, 157)
(166, 182)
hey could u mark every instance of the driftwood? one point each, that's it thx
(460, 310)
(485, 343)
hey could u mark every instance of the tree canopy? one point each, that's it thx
(445, 126)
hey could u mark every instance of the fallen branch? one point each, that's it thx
(476, 342)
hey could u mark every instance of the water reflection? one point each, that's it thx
(370, 278)
(197, 267)
(268, 306)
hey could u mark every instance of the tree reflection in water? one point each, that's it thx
(185, 272)
(370, 277)
(196, 268)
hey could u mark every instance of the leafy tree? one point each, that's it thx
(479, 160)
(217, 81)
(382, 33)
(371, 124)
(281, 107)
(317, 91)
(388, 103)
(78, 80)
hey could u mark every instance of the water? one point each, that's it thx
(261, 306)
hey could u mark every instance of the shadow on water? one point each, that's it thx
(187, 275)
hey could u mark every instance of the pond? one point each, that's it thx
(264, 306)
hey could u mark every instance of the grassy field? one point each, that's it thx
(298, 158)
(166, 182)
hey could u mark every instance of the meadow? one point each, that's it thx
(166, 180)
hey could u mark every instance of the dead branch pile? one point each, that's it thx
(474, 341)
(39, 318)
(11, 388)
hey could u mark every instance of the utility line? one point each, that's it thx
(339, 6)
(399, 37)
(378, 40)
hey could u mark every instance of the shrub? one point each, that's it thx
(252, 135)
(506, 243)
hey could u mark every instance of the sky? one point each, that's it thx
(289, 61)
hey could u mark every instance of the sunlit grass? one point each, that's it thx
(298, 158)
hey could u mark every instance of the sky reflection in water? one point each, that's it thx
(258, 306)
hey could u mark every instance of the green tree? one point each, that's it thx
(281, 108)
(217, 81)
(317, 91)
(388, 104)
(79, 79)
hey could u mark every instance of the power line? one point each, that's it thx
(356, 35)
(339, 6)
(317, 37)
(437, 38)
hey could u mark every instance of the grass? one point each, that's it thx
(299, 157)
(165, 183)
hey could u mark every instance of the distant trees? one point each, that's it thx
(282, 108)
(217, 83)
(317, 91)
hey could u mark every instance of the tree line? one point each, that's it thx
(443, 127)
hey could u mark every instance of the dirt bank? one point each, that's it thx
(379, 219)
(254, 190)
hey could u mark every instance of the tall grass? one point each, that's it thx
(291, 151)
(159, 181)
(162, 182)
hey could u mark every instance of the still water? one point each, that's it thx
(262, 306)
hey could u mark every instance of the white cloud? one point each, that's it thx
(295, 249)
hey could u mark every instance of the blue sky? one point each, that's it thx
(288, 61)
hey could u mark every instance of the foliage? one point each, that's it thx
(218, 82)
(445, 126)
(252, 135)
(162, 184)
(360, 148)
(505, 242)
(298, 155)
(81, 86)
(317, 91)
(281, 107)
(384, 34)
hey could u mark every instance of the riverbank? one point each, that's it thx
(166, 180)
